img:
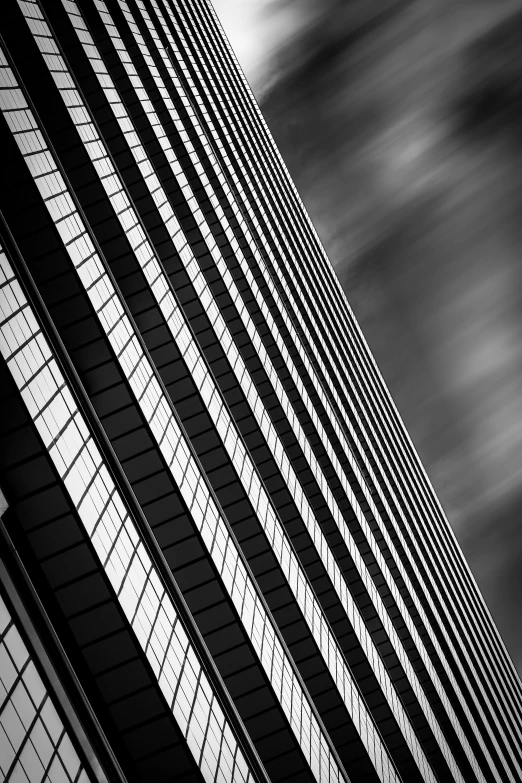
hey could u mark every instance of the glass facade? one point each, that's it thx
(242, 566)
(34, 745)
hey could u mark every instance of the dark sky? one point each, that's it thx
(401, 124)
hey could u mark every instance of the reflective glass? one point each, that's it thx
(31, 733)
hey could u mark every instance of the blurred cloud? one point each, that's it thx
(259, 30)
(401, 124)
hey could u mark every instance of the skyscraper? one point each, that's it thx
(221, 557)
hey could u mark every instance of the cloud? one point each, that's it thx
(259, 30)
